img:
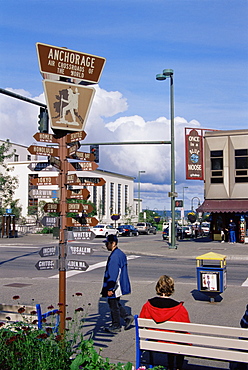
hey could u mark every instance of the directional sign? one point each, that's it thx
(72, 222)
(78, 194)
(92, 181)
(49, 221)
(45, 138)
(79, 207)
(68, 104)
(38, 166)
(72, 150)
(82, 166)
(77, 265)
(52, 207)
(84, 156)
(69, 63)
(78, 250)
(48, 251)
(43, 194)
(75, 136)
(46, 265)
(55, 162)
(81, 235)
(43, 150)
(72, 179)
(49, 180)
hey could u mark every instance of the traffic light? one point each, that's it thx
(43, 120)
(178, 203)
(94, 149)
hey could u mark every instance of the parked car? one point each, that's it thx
(128, 230)
(146, 228)
(104, 230)
(183, 232)
(205, 228)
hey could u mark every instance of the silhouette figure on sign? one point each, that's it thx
(67, 107)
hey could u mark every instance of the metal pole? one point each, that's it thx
(139, 196)
(173, 224)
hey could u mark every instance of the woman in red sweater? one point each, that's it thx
(163, 308)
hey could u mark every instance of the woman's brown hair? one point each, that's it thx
(165, 285)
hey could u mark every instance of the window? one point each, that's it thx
(112, 197)
(16, 157)
(28, 157)
(241, 165)
(104, 200)
(216, 158)
(119, 199)
(95, 195)
(126, 199)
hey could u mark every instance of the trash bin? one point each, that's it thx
(211, 274)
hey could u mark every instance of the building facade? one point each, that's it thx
(226, 181)
(116, 196)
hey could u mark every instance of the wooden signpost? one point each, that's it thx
(68, 106)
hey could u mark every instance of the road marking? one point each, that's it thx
(245, 283)
(19, 245)
(92, 267)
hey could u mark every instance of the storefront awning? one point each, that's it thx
(221, 206)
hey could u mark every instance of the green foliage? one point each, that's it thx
(8, 183)
(46, 230)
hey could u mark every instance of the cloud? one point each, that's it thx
(19, 124)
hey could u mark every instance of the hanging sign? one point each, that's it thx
(194, 156)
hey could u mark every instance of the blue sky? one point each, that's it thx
(205, 42)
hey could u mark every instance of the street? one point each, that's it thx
(148, 258)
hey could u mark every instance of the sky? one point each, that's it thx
(205, 42)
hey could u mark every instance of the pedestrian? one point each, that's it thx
(115, 284)
(232, 232)
(222, 234)
(163, 308)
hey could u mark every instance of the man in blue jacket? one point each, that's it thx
(115, 284)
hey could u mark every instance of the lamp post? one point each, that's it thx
(185, 187)
(139, 193)
(168, 73)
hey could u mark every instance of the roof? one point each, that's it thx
(211, 256)
(224, 205)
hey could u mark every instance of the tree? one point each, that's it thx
(8, 183)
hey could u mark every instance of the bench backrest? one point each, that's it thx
(206, 341)
(31, 315)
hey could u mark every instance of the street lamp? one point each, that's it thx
(161, 77)
(185, 187)
(139, 193)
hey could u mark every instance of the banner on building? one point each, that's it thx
(194, 154)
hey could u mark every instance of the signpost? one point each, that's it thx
(47, 265)
(52, 207)
(43, 150)
(48, 251)
(38, 166)
(81, 221)
(43, 194)
(69, 63)
(81, 235)
(49, 221)
(92, 181)
(78, 250)
(77, 265)
(49, 180)
(68, 106)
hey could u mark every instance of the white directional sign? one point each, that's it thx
(79, 250)
(77, 265)
(46, 265)
(68, 104)
(48, 251)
